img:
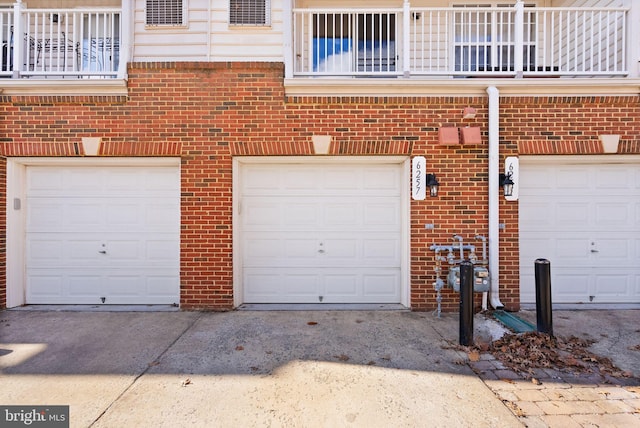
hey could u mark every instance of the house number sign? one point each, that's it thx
(419, 178)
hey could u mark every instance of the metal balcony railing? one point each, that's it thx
(465, 41)
(61, 43)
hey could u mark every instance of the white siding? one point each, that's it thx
(208, 36)
(172, 43)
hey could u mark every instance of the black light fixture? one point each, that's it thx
(433, 184)
(506, 182)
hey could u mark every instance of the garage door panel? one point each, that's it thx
(261, 213)
(260, 177)
(614, 251)
(161, 215)
(613, 180)
(613, 284)
(81, 250)
(112, 228)
(300, 284)
(340, 287)
(43, 287)
(298, 249)
(84, 286)
(299, 214)
(346, 250)
(567, 284)
(571, 251)
(162, 251)
(298, 179)
(327, 227)
(570, 179)
(45, 251)
(613, 213)
(338, 178)
(123, 214)
(571, 214)
(383, 181)
(342, 213)
(383, 284)
(378, 250)
(385, 215)
(273, 250)
(45, 179)
(536, 215)
(590, 232)
(264, 286)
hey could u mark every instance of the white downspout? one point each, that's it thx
(494, 194)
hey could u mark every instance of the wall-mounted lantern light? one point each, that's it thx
(506, 182)
(432, 183)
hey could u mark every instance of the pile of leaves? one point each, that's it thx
(523, 353)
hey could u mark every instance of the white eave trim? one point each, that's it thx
(534, 87)
(66, 87)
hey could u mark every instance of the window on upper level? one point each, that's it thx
(166, 12)
(250, 12)
(344, 42)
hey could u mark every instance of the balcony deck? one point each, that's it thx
(459, 42)
(60, 43)
(448, 46)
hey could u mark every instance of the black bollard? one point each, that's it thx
(466, 303)
(543, 296)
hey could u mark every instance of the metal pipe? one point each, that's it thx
(459, 239)
(544, 316)
(484, 248)
(466, 303)
(485, 295)
(494, 153)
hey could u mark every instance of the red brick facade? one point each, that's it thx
(208, 113)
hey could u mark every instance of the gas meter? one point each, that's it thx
(480, 279)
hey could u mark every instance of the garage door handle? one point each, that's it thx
(102, 252)
(595, 251)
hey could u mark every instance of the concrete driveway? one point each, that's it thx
(247, 368)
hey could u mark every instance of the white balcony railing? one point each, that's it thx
(460, 42)
(80, 43)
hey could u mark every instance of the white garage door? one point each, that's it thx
(316, 233)
(102, 235)
(585, 219)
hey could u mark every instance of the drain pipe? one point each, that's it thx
(494, 194)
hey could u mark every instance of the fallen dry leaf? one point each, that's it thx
(527, 351)
(342, 357)
(535, 381)
(312, 323)
(474, 356)
(186, 382)
(239, 348)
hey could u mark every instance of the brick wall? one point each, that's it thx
(207, 113)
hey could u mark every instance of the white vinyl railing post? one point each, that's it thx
(518, 48)
(18, 40)
(287, 33)
(406, 42)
